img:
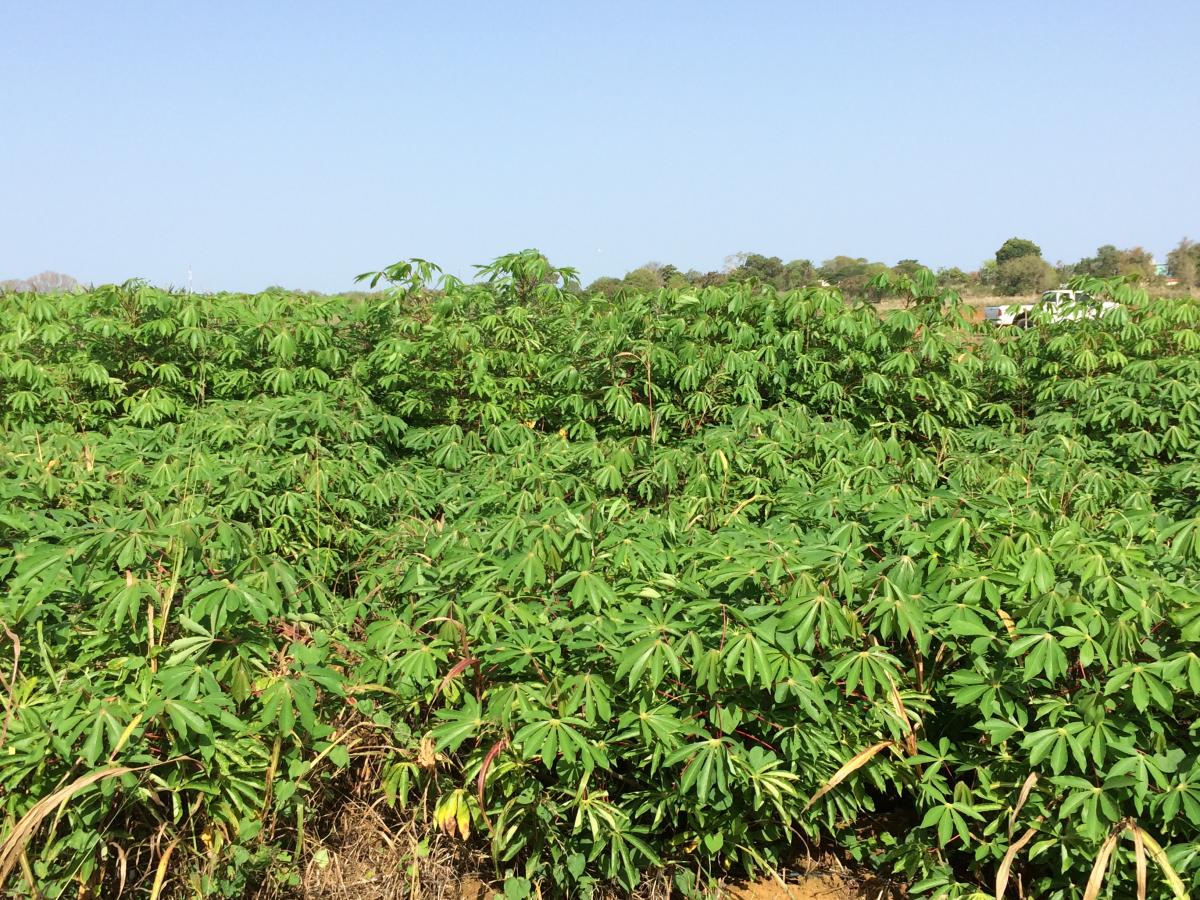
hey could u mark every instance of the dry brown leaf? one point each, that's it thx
(1006, 863)
(426, 755)
(1030, 781)
(160, 873)
(1100, 867)
(853, 765)
(1159, 855)
(14, 845)
(1139, 856)
(1009, 624)
(910, 738)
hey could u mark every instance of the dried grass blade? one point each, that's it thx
(1009, 625)
(122, 867)
(1139, 856)
(160, 874)
(1026, 788)
(910, 737)
(1100, 867)
(14, 845)
(11, 705)
(853, 765)
(1006, 864)
(1159, 855)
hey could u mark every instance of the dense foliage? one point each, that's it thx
(689, 581)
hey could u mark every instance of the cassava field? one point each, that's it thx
(584, 596)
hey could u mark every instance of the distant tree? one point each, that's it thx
(606, 285)
(1015, 248)
(643, 279)
(771, 270)
(706, 279)
(735, 261)
(1184, 263)
(907, 267)
(989, 274)
(1025, 275)
(1066, 271)
(1137, 262)
(832, 270)
(42, 283)
(1105, 264)
(1110, 262)
(954, 277)
(849, 273)
(53, 282)
(756, 267)
(797, 274)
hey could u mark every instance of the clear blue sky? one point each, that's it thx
(300, 143)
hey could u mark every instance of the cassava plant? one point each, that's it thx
(689, 583)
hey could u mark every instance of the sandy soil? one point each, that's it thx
(807, 887)
(811, 887)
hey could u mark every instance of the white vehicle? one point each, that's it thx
(1059, 306)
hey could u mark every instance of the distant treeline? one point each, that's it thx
(1017, 268)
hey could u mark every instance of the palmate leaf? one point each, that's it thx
(551, 736)
(951, 821)
(590, 695)
(1055, 745)
(459, 724)
(188, 718)
(749, 657)
(707, 766)
(660, 728)
(817, 618)
(127, 604)
(768, 781)
(593, 590)
(1037, 571)
(652, 657)
(1144, 685)
(873, 669)
(189, 648)
(288, 702)
(1043, 654)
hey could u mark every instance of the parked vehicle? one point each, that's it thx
(1059, 306)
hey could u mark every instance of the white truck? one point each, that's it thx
(1059, 306)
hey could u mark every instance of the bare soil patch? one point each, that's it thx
(811, 887)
